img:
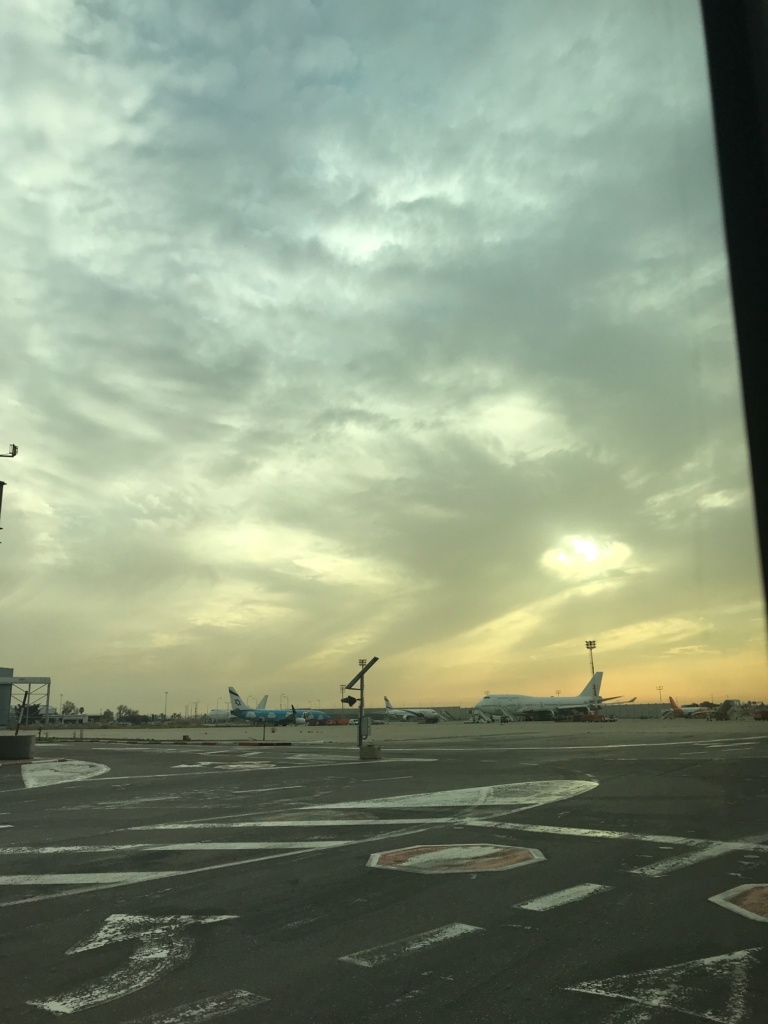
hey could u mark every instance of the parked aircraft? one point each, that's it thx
(686, 711)
(224, 714)
(411, 714)
(519, 705)
(273, 716)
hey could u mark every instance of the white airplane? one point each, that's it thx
(411, 714)
(520, 705)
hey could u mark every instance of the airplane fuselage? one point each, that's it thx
(413, 714)
(281, 717)
(519, 704)
(691, 711)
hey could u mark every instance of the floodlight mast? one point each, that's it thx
(13, 451)
(359, 682)
(591, 645)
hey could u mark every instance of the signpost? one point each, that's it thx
(359, 683)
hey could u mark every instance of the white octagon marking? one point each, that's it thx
(749, 900)
(456, 858)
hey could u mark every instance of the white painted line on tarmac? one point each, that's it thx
(305, 823)
(176, 775)
(54, 773)
(558, 899)
(583, 746)
(405, 947)
(87, 878)
(387, 778)
(712, 849)
(265, 767)
(130, 878)
(318, 844)
(520, 794)
(586, 833)
(206, 1009)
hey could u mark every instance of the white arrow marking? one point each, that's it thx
(53, 773)
(206, 1009)
(713, 988)
(162, 946)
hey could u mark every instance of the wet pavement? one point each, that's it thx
(548, 876)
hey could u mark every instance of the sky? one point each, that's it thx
(332, 330)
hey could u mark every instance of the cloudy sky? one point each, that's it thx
(333, 329)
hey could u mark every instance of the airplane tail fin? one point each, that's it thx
(263, 702)
(592, 689)
(387, 704)
(237, 702)
(674, 704)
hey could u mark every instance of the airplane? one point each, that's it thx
(222, 714)
(274, 716)
(519, 705)
(411, 714)
(686, 711)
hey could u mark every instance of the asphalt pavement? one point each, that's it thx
(555, 876)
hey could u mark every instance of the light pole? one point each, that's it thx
(659, 688)
(165, 712)
(13, 451)
(558, 692)
(591, 645)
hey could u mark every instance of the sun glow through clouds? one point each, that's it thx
(582, 558)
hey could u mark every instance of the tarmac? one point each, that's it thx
(535, 873)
